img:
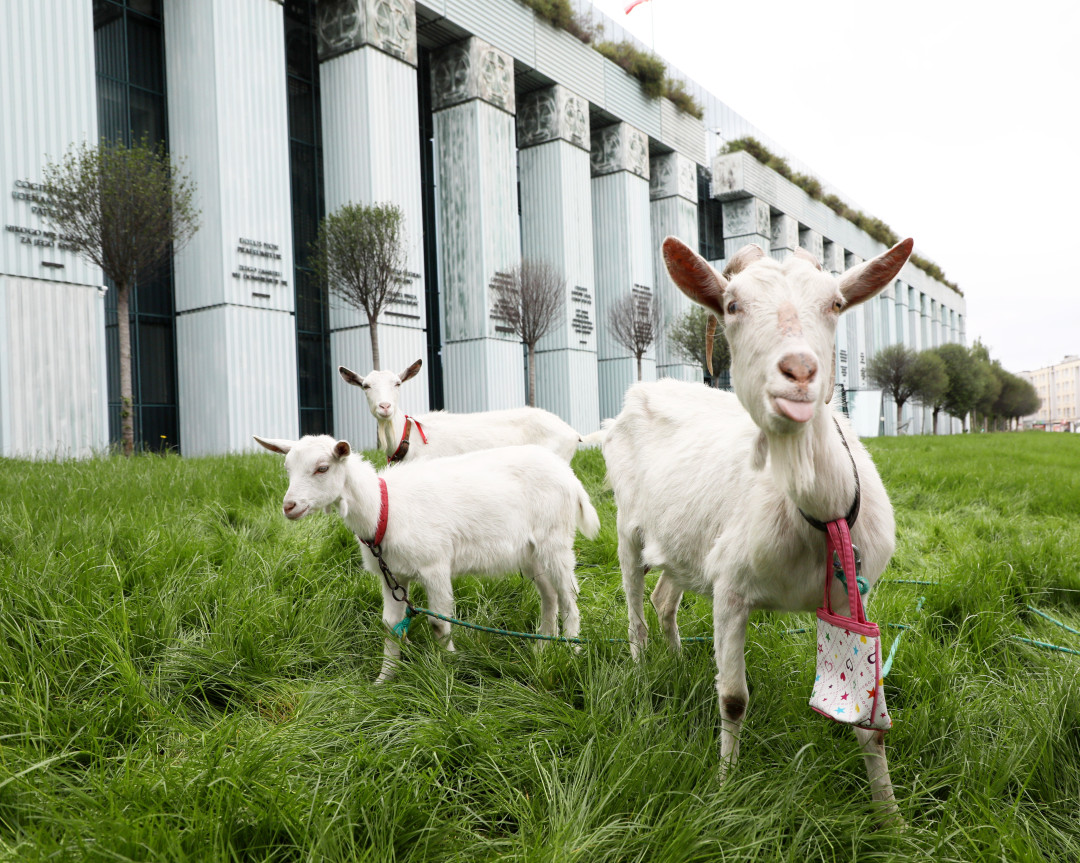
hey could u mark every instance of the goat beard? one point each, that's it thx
(793, 464)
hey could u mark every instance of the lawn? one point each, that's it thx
(185, 675)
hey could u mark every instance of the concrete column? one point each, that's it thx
(914, 320)
(673, 207)
(553, 141)
(53, 391)
(813, 242)
(235, 325)
(476, 165)
(623, 252)
(832, 257)
(371, 155)
(746, 220)
(785, 236)
(935, 324)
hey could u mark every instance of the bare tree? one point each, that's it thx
(635, 321)
(360, 254)
(125, 209)
(530, 300)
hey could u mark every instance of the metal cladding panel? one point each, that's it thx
(566, 385)
(371, 153)
(624, 98)
(683, 132)
(478, 213)
(622, 244)
(53, 399)
(237, 377)
(556, 227)
(229, 119)
(616, 377)
(398, 348)
(677, 217)
(506, 26)
(483, 374)
(48, 102)
(566, 59)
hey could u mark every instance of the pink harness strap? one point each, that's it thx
(384, 515)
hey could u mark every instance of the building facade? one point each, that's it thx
(1057, 386)
(498, 136)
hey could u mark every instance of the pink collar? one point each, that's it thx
(384, 515)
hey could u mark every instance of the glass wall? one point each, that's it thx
(431, 254)
(710, 219)
(129, 52)
(305, 154)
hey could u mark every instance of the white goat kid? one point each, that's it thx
(709, 485)
(486, 513)
(443, 433)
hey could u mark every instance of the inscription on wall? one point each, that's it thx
(504, 303)
(404, 298)
(581, 322)
(34, 195)
(262, 256)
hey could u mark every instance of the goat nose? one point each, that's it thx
(798, 368)
(384, 406)
(289, 506)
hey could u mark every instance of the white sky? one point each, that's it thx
(957, 124)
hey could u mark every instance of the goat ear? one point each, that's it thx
(275, 444)
(350, 377)
(411, 371)
(861, 282)
(804, 255)
(342, 449)
(694, 276)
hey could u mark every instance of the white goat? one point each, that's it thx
(486, 513)
(709, 485)
(440, 433)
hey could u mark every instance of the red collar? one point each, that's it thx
(384, 514)
(403, 447)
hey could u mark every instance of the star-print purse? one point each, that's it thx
(848, 686)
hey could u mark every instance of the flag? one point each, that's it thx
(632, 4)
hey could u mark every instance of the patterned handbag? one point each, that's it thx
(848, 686)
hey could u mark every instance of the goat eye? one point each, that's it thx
(398, 384)
(838, 306)
(323, 468)
(732, 307)
(365, 386)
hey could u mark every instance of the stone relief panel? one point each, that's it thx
(833, 257)
(813, 242)
(747, 216)
(551, 114)
(472, 69)
(672, 174)
(727, 174)
(344, 25)
(785, 232)
(620, 147)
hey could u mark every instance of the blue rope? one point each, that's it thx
(1053, 620)
(1044, 645)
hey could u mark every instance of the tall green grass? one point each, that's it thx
(184, 675)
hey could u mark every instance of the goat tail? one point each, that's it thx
(588, 521)
(594, 439)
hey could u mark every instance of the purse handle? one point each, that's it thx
(840, 543)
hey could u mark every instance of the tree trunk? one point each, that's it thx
(935, 419)
(123, 332)
(373, 329)
(639, 367)
(899, 415)
(532, 376)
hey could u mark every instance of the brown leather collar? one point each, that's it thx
(403, 447)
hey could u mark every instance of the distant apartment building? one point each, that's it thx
(498, 135)
(1057, 386)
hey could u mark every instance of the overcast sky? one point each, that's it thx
(957, 124)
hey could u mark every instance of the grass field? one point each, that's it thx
(184, 675)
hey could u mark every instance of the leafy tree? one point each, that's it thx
(531, 301)
(1018, 398)
(635, 323)
(966, 380)
(126, 210)
(360, 254)
(688, 335)
(991, 374)
(891, 370)
(930, 382)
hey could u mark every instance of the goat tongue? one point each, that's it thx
(799, 412)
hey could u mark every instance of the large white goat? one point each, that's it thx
(486, 513)
(709, 485)
(442, 433)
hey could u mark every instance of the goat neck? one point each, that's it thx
(390, 431)
(360, 497)
(814, 468)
